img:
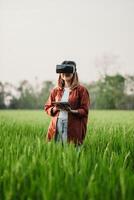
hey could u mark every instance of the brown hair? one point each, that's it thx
(74, 84)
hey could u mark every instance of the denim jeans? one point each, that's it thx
(61, 130)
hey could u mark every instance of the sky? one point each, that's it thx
(37, 35)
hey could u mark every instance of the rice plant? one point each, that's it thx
(101, 169)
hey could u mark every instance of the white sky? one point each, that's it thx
(37, 35)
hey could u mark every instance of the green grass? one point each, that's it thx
(102, 169)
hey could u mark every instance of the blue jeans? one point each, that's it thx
(61, 130)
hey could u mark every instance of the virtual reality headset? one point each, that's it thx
(65, 68)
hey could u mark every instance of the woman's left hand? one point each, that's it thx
(68, 109)
(72, 111)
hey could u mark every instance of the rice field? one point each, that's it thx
(31, 168)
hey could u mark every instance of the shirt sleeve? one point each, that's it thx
(48, 107)
(84, 103)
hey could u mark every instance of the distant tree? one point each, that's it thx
(9, 90)
(112, 92)
(129, 84)
(44, 93)
(27, 98)
(108, 93)
(129, 92)
(2, 96)
(93, 89)
(111, 85)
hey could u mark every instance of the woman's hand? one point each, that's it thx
(72, 111)
(56, 109)
(64, 108)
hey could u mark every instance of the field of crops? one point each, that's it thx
(31, 168)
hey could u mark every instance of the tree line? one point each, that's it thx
(109, 92)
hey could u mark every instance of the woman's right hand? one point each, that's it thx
(55, 109)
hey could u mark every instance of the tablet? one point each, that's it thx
(60, 103)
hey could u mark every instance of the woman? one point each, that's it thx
(69, 123)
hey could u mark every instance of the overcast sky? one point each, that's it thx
(37, 35)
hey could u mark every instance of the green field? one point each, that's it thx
(102, 169)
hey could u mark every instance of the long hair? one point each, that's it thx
(75, 79)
